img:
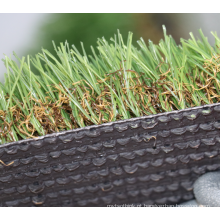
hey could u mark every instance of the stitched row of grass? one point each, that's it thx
(117, 81)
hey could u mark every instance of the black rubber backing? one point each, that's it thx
(148, 160)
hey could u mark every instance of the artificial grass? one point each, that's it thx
(119, 82)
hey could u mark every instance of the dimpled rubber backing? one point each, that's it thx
(147, 160)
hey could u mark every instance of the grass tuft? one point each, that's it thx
(118, 81)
